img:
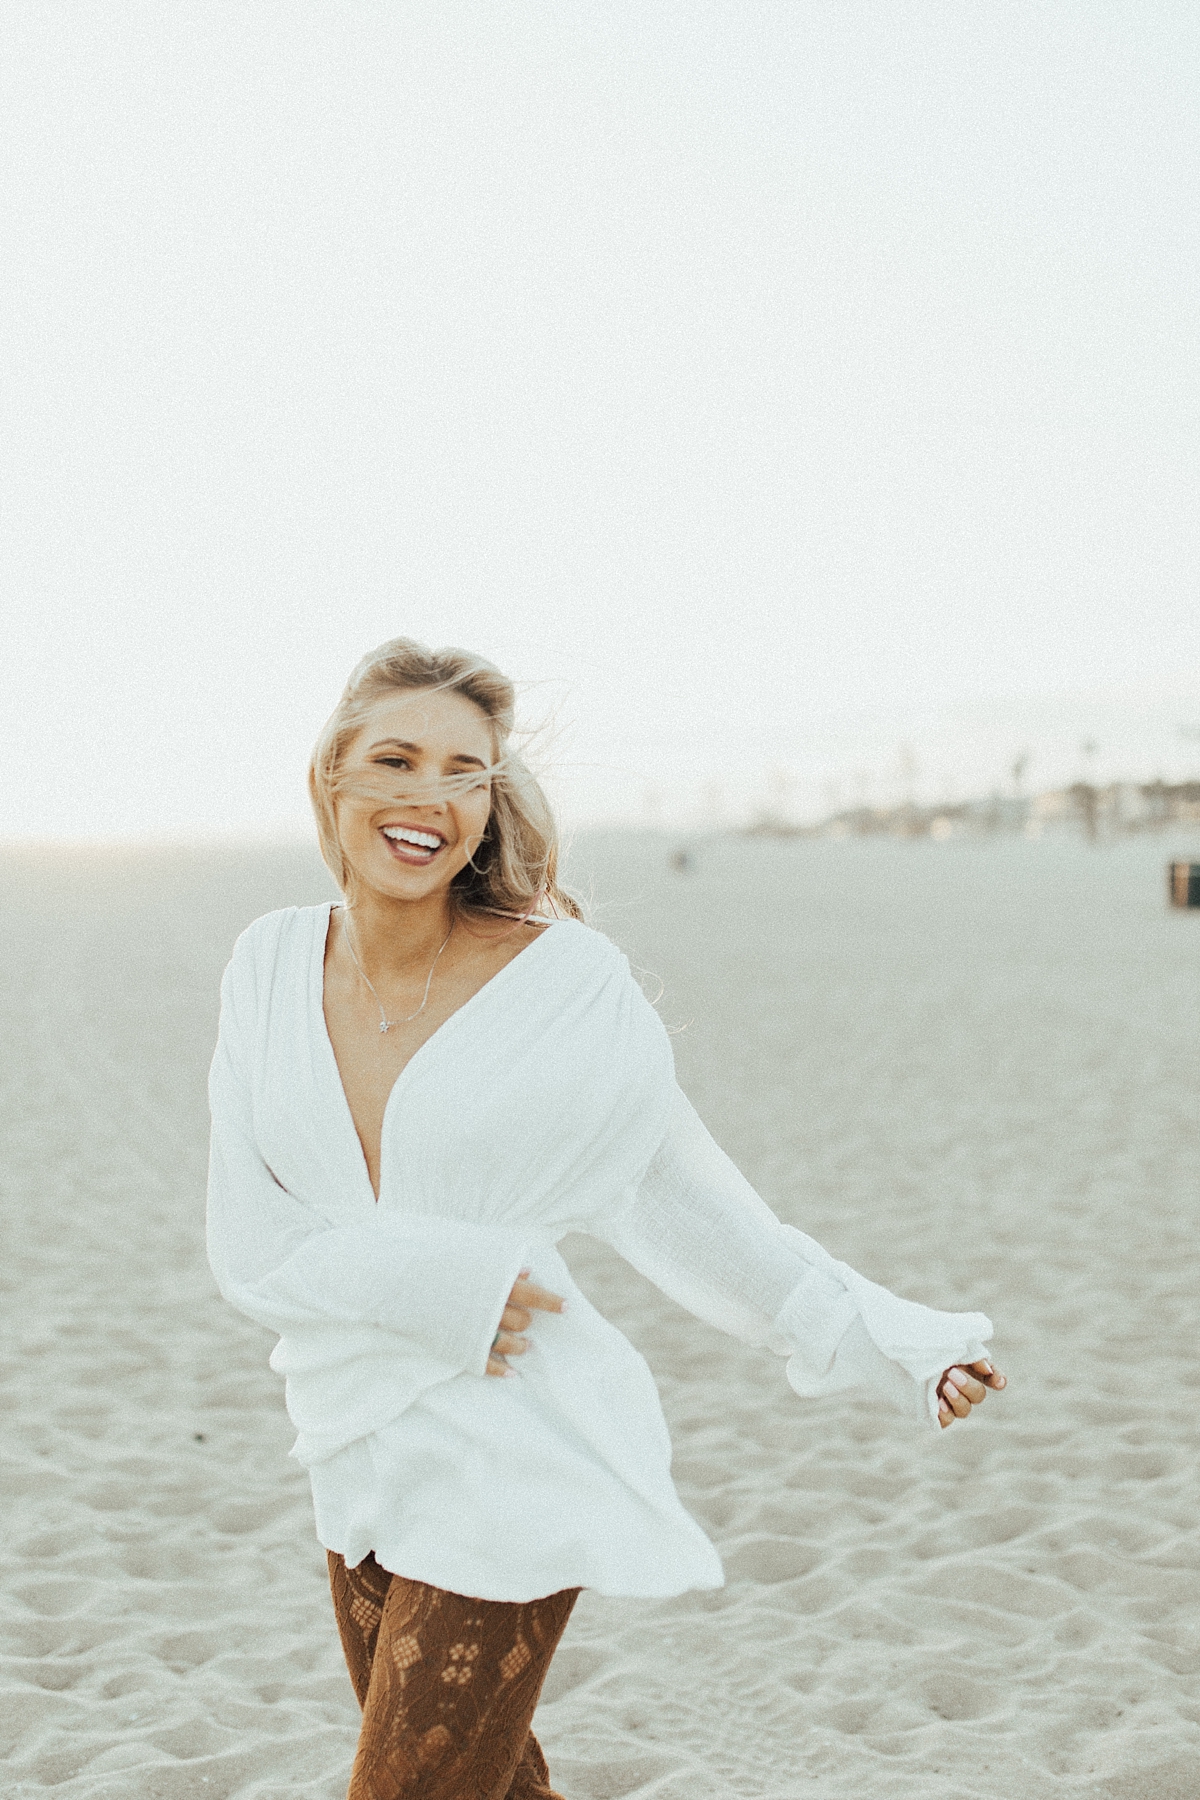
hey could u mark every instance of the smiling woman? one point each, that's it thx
(441, 723)
(415, 1095)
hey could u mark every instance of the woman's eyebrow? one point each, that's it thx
(418, 749)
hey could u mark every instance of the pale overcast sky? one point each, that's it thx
(764, 385)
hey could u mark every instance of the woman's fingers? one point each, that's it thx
(526, 1298)
(528, 1294)
(954, 1397)
(964, 1386)
(507, 1343)
(952, 1402)
(986, 1374)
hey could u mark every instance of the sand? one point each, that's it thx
(969, 1069)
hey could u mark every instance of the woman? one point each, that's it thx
(415, 1095)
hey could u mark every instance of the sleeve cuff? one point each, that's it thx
(808, 1328)
(917, 1342)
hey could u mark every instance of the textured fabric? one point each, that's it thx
(546, 1104)
(697, 1229)
(448, 1686)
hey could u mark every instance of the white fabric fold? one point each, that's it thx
(370, 1314)
(809, 1328)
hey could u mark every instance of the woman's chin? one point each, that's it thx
(396, 880)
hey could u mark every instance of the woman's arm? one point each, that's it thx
(439, 1284)
(697, 1229)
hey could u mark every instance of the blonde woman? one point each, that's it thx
(416, 1093)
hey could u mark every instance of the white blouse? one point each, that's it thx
(546, 1104)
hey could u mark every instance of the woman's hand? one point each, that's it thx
(525, 1299)
(963, 1387)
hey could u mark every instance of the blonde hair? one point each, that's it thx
(515, 869)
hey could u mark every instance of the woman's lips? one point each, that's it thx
(416, 855)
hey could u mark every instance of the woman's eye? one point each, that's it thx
(392, 762)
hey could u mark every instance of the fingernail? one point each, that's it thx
(509, 1375)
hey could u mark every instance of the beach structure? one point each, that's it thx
(1183, 884)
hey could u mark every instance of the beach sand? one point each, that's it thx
(969, 1069)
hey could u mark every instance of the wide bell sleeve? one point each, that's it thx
(369, 1314)
(696, 1228)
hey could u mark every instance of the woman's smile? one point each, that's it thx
(416, 845)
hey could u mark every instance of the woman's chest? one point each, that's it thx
(538, 1100)
(372, 1051)
(368, 1064)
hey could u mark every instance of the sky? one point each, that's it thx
(798, 398)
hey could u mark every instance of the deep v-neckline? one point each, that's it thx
(321, 1032)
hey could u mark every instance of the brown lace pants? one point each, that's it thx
(447, 1686)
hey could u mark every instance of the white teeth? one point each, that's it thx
(424, 840)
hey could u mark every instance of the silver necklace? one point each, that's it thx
(385, 1024)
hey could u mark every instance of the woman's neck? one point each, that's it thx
(392, 937)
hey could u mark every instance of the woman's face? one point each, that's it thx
(414, 844)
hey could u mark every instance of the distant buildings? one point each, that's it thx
(1118, 808)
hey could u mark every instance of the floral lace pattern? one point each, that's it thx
(447, 1685)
